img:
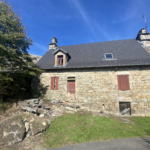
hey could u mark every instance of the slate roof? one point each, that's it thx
(126, 53)
(60, 49)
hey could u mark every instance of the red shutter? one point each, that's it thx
(57, 83)
(52, 83)
(126, 82)
(123, 82)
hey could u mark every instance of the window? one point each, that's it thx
(109, 56)
(125, 108)
(123, 82)
(54, 83)
(60, 60)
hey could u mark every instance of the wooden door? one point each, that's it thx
(71, 86)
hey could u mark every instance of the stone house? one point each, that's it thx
(110, 77)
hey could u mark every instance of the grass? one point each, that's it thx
(77, 128)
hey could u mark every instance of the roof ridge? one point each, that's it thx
(98, 42)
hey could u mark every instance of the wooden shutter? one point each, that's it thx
(119, 84)
(56, 83)
(123, 82)
(126, 82)
(52, 83)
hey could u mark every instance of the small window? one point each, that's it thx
(125, 108)
(60, 60)
(123, 82)
(109, 56)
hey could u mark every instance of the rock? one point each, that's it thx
(27, 126)
(38, 127)
(42, 111)
(33, 105)
(31, 120)
(40, 104)
(12, 130)
(23, 104)
(35, 110)
(70, 109)
(71, 105)
(55, 101)
(35, 101)
(46, 107)
(41, 115)
(54, 114)
(70, 112)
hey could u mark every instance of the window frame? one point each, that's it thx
(107, 54)
(60, 61)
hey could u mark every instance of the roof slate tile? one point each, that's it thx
(125, 52)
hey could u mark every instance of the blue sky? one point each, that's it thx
(80, 21)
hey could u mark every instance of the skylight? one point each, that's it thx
(109, 56)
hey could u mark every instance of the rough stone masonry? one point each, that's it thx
(97, 89)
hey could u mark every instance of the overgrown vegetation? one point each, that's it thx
(16, 65)
(3, 106)
(77, 128)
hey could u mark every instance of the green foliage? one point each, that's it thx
(76, 128)
(3, 106)
(16, 65)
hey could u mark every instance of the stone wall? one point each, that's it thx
(97, 89)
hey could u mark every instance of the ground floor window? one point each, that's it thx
(125, 108)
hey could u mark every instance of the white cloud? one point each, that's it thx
(93, 25)
(82, 12)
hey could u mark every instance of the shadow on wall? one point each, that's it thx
(37, 89)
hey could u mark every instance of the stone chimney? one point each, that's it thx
(53, 44)
(144, 38)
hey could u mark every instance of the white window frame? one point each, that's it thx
(108, 58)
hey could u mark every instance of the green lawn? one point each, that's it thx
(77, 128)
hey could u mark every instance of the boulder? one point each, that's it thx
(29, 109)
(37, 127)
(12, 130)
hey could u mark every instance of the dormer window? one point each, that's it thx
(61, 57)
(60, 60)
(109, 56)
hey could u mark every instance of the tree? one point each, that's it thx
(16, 65)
